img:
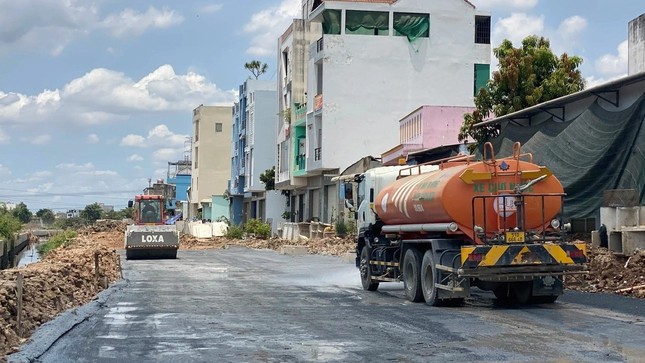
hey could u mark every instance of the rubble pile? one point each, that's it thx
(105, 225)
(624, 275)
(66, 278)
(332, 246)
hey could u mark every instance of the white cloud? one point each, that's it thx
(159, 135)
(4, 138)
(165, 154)
(44, 25)
(614, 65)
(505, 4)
(517, 27)
(92, 139)
(41, 174)
(74, 166)
(40, 139)
(135, 157)
(4, 171)
(133, 140)
(131, 22)
(267, 25)
(212, 8)
(104, 95)
(572, 26)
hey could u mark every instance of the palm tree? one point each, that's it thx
(256, 68)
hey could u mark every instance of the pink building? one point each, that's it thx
(427, 127)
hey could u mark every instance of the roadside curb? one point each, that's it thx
(47, 334)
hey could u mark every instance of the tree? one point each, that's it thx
(9, 226)
(268, 178)
(47, 215)
(526, 76)
(92, 212)
(22, 213)
(256, 68)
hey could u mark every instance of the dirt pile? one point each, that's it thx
(105, 225)
(66, 278)
(624, 275)
(332, 246)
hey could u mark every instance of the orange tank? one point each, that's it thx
(448, 195)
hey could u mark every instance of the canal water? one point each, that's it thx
(28, 255)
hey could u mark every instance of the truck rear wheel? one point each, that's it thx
(366, 271)
(429, 278)
(412, 275)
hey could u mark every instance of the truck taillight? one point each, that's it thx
(475, 257)
(576, 254)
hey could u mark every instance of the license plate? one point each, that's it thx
(514, 237)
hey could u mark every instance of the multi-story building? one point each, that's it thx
(636, 45)
(371, 63)
(211, 155)
(293, 53)
(253, 153)
(179, 174)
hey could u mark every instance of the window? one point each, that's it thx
(331, 22)
(196, 132)
(218, 127)
(411, 25)
(367, 22)
(482, 29)
(482, 74)
(196, 158)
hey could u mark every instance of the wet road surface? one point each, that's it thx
(240, 305)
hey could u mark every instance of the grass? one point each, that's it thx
(61, 239)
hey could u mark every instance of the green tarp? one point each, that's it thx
(598, 150)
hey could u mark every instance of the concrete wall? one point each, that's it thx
(636, 42)
(262, 137)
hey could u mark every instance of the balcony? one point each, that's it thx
(301, 162)
(301, 114)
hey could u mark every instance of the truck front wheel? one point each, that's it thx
(412, 275)
(366, 270)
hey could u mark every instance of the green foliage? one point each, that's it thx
(341, 227)
(526, 76)
(256, 68)
(258, 228)
(9, 226)
(268, 178)
(286, 215)
(22, 213)
(61, 239)
(234, 232)
(47, 216)
(112, 214)
(91, 213)
(70, 223)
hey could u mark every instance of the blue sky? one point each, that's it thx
(97, 96)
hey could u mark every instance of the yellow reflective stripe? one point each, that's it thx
(559, 254)
(517, 260)
(465, 252)
(493, 255)
(582, 247)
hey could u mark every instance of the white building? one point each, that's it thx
(371, 64)
(253, 153)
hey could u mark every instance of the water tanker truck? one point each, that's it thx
(448, 226)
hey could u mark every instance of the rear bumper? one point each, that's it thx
(522, 260)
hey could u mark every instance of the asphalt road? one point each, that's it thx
(240, 305)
